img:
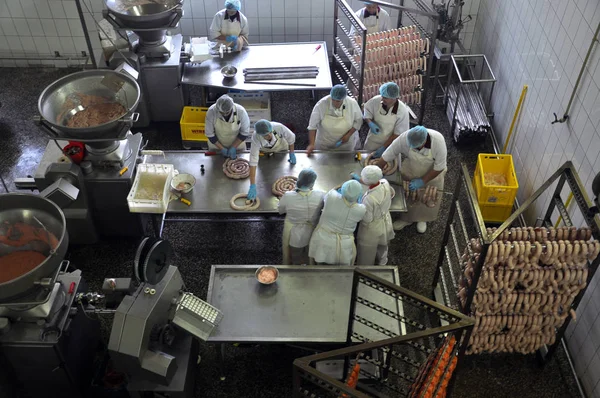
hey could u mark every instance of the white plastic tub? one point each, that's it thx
(150, 190)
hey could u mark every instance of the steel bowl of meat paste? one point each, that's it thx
(60, 101)
(144, 14)
(183, 183)
(47, 218)
(265, 268)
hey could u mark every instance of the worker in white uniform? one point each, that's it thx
(421, 154)
(375, 230)
(229, 27)
(227, 126)
(268, 137)
(375, 18)
(332, 242)
(387, 118)
(334, 123)
(302, 208)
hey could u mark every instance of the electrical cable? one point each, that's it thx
(4, 184)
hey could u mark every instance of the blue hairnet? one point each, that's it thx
(224, 104)
(351, 190)
(306, 180)
(416, 136)
(338, 92)
(263, 127)
(389, 90)
(233, 5)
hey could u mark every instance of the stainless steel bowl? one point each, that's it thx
(228, 71)
(158, 12)
(258, 271)
(58, 101)
(37, 211)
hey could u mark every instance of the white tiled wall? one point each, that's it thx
(41, 27)
(542, 43)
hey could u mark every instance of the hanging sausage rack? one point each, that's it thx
(465, 222)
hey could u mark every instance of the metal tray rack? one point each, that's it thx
(465, 221)
(391, 364)
(342, 53)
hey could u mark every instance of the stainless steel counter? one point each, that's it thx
(306, 304)
(208, 73)
(214, 190)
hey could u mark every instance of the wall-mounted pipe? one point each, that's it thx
(585, 61)
(515, 116)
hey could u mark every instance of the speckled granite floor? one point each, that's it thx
(264, 371)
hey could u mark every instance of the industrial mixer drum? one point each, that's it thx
(68, 96)
(33, 243)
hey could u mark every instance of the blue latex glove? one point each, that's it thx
(292, 158)
(374, 128)
(231, 38)
(355, 176)
(339, 190)
(224, 152)
(379, 152)
(251, 192)
(416, 183)
(339, 143)
(234, 46)
(232, 153)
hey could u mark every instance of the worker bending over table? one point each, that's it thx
(424, 153)
(332, 242)
(229, 27)
(375, 19)
(302, 208)
(227, 126)
(268, 137)
(375, 230)
(387, 118)
(334, 123)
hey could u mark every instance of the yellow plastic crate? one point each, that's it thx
(192, 123)
(498, 195)
(495, 213)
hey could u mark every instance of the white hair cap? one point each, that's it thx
(371, 174)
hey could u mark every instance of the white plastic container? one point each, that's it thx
(150, 190)
(256, 103)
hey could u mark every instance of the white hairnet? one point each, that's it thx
(371, 174)
(351, 190)
(224, 104)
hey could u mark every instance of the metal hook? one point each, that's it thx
(561, 120)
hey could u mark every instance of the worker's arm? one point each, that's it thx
(347, 136)
(316, 116)
(431, 175)
(291, 147)
(252, 175)
(312, 134)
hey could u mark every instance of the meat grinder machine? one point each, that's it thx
(156, 55)
(49, 330)
(92, 191)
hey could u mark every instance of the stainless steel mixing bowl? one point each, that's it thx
(142, 12)
(55, 106)
(228, 71)
(36, 211)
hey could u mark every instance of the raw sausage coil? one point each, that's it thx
(249, 205)
(283, 185)
(237, 169)
(388, 169)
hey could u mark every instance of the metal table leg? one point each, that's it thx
(221, 360)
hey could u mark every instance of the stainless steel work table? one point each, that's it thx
(208, 73)
(307, 304)
(214, 189)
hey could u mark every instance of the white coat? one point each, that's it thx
(375, 229)
(302, 210)
(331, 124)
(332, 242)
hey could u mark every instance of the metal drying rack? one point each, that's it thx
(342, 54)
(465, 221)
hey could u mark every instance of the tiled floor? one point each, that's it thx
(264, 371)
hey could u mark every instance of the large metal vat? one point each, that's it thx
(40, 213)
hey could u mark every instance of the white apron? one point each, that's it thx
(331, 131)
(281, 144)
(416, 165)
(386, 125)
(231, 29)
(227, 133)
(374, 28)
